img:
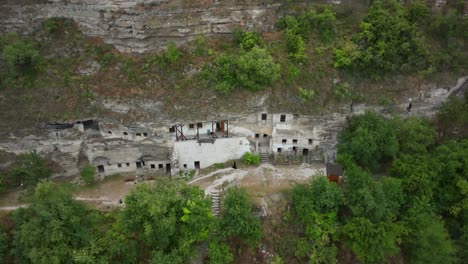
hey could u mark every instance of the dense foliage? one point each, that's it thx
(250, 158)
(54, 227)
(27, 171)
(253, 70)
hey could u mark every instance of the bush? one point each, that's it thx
(388, 42)
(247, 39)
(368, 139)
(238, 221)
(251, 159)
(28, 170)
(87, 173)
(295, 46)
(306, 95)
(341, 91)
(325, 23)
(51, 25)
(22, 57)
(219, 253)
(172, 54)
(256, 69)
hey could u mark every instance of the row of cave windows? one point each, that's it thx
(294, 141)
(191, 126)
(305, 151)
(282, 117)
(126, 134)
(284, 141)
(138, 164)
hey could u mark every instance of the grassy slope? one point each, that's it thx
(61, 93)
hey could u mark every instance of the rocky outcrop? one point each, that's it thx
(139, 26)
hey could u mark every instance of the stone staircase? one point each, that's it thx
(216, 202)
(264, 157)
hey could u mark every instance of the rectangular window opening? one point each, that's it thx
(257, 135)
(119, 165)
(199, 125)
(284, 141)
(161, 166)
(264, 116)
(185, 166)
(283, 118)
(172, 129)
(100, 168)
(279, 150)
(128, 164)
(138, 134)
(310, 141)
(294, 141)
(145, 134)
(191, 126)
(125, 133)
(153, 166)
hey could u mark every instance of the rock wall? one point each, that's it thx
(139, 26)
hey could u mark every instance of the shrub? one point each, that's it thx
(87, 173)
(22, 57)
(306, 95)
(256, 69)
(341, 91)
(251, 159)
(247, 39)
(325, 23)
(51, 25)
(28, 170)
(172, 54)
(200, 43)
(387, 43)
(295, 46)
(219, 253)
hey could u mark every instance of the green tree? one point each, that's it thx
(316, 205)
(167, 220)
(319, 195)
(427, 241)
(28, 170)
(238, 221)
(415, 135)
(3, 245)
(371, 242)
(256, 69)
(369, 139)
(52, 227)
(418, 175)
(364, 197)
(387, 43)
(452, 115)
(87, 173)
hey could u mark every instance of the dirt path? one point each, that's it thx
(258, 181)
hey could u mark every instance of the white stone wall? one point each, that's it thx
(223, 149)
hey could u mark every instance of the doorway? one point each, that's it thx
(197, 165)
(138, 164)
(305, 152)
(168, 168)
(100, 168)
(219, 126)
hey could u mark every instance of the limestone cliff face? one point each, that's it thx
(139, 26)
